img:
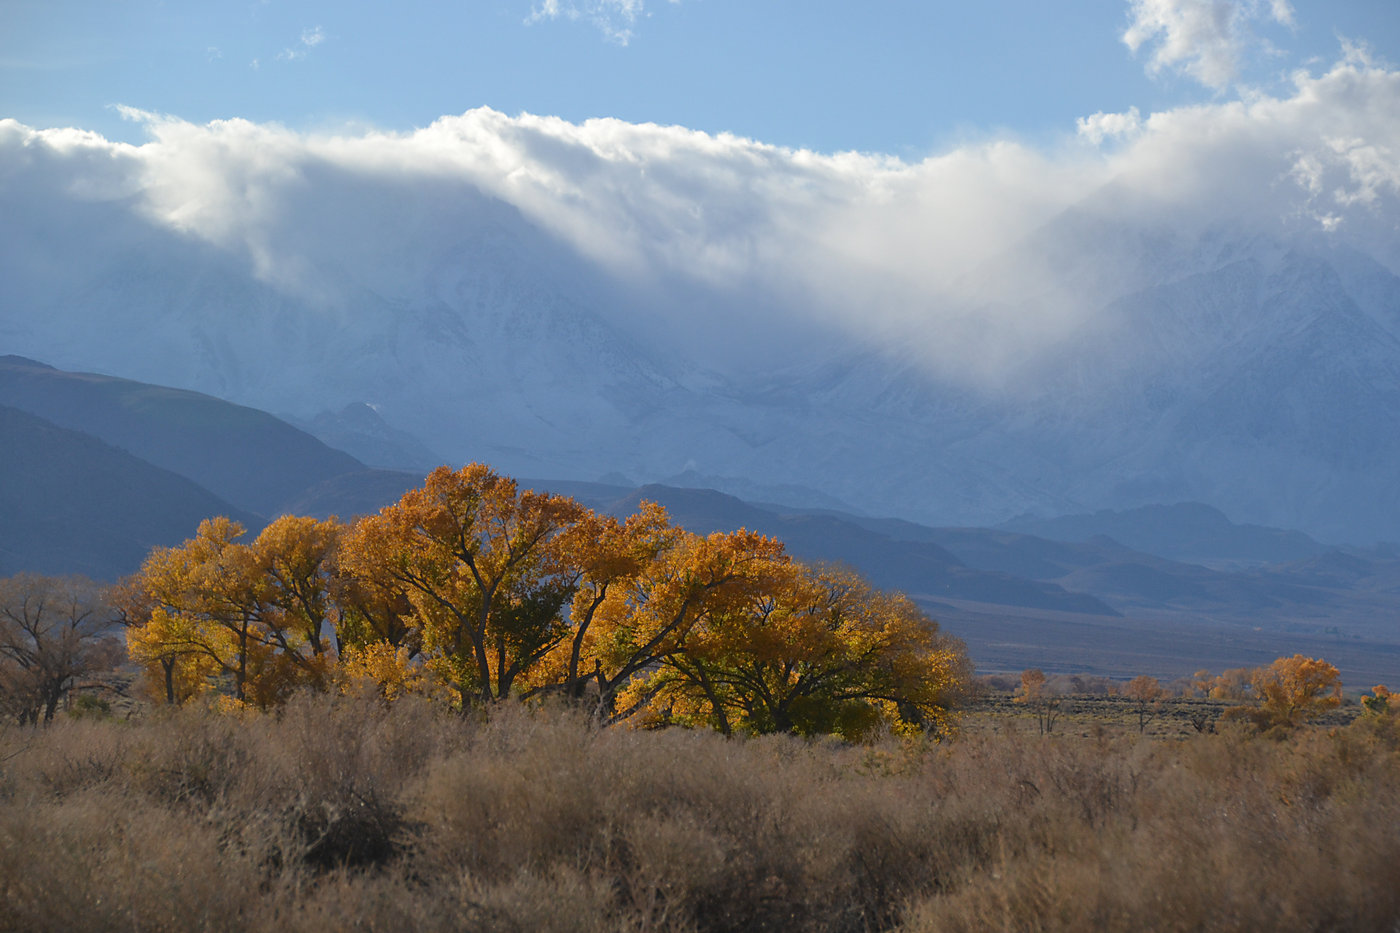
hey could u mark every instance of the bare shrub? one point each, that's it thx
(340, 813)
(101, 860)
(53, 630)
(1216, 833)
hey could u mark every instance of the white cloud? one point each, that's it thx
(311, 37)
(1206, 39)
(1102, 126)
(616, 19)
(717, 236)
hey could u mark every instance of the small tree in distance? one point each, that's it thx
(1034, 693)
(1288, 693)
(1294, 690)
(1233, 684)
(1147, 695)
(1380, 702)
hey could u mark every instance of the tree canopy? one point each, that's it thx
(472, 588)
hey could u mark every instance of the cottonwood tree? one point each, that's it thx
(479, 561)
(256, 614)
(653, 621)
(1293, 690)
(202, 609)
(1146, 694)
(1036, 694)
(294, 563)
(815, 651)
(642, 587)
(611, 561)
(53, 630)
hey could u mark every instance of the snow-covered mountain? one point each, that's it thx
(588, 306)
(1264, 380)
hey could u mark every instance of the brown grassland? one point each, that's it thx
(346, 813)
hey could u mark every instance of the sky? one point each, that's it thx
(906, 78)
(876, 169)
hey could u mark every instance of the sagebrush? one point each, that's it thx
(352, 813)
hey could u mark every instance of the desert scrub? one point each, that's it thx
(351, 813)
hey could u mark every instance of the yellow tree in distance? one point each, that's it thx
(1146, 694)
(1294, 690)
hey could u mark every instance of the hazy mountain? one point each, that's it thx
(70, 503)
(1189, 531)
(350, 495)
(1257, 374)
(358, 430)
(243, 455)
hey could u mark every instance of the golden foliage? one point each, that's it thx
(1281, 695)
(254, 614)
(1146, 694)
(390, 671)
(1293, 690)
(815, 651)
(472, 587)
(480, 564)
(1381, 701)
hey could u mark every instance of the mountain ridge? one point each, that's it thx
(217, 444)
(71, 503)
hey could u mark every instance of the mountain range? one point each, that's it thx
(1256, 373)
(1158, 589)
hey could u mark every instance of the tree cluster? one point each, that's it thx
(1280, 695)
(474, 590)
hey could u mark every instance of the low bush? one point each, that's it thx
(350, 813)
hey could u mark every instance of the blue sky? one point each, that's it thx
(895, 77)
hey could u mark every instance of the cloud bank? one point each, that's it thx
(722, 236)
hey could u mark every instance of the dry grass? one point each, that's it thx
(347, 814)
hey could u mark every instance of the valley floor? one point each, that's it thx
(1165, 645)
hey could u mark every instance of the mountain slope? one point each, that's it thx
(241, 454)
(1189, 531)
(70, 503)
